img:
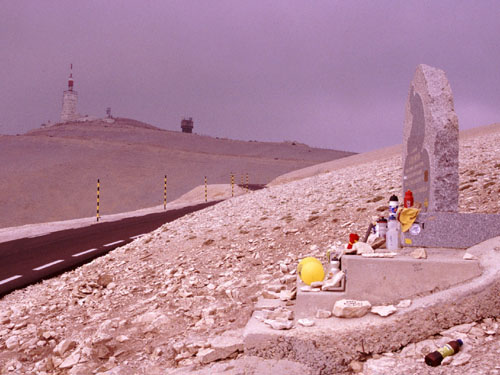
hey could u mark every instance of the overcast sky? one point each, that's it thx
(331, 74)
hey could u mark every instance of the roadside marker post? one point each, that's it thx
(165, 193)
(98, 194)
(206, 190)
(232, 184)
(247, 182)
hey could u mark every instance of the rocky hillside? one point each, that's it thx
(50, 174)
(163, 303)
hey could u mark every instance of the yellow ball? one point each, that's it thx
(304, 261)
(312, 271)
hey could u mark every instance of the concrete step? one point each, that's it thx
(390, 280)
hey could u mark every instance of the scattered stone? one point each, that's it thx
(363, 248)
(356, 367)
(12, 342)
(288, 295)
(334, 282)
(419, 253)
(346, 308)
(270, 295)
(461, 359)
(279, 324)
(104, 280)
(316, 284)
(306, 322)
(306, 288)
(469, 256)
(64, 346)
(323, 314)
(403, 304)
(384, 310)
(447, 360)
(71, 361)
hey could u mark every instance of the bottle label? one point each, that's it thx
(446, 351)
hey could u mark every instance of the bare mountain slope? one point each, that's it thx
(50, 173)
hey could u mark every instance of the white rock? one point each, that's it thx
(283, 268)
(348, 308)
(279, 324)
(363, 248)
(469, 256)
(461, 359)
(384, 310)
(334, 282)
(288, 295)
(447, 360)
(419, 253)
(64, 346)
(323, 314)
(306, 322)
(306, 288)
(72, 360)
(403, 304)
(122, 338)
(316, 284)
(12, 342)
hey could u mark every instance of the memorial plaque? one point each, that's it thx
(430, 146)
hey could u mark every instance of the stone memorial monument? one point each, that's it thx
(430, 168)
(430, 145)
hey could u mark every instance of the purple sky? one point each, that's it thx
(331, 74)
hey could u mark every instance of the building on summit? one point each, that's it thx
(187, 125)
(70, 99)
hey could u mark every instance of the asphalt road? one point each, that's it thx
(28, 260)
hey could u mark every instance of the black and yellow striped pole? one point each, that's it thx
(98, 193)
(247, 182)
(232, 184)
(165, 193)
(206, 190)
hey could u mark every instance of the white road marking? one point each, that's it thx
(48, 265)
(134, 237)
(114, 243)
(83, 252)
(5, 281)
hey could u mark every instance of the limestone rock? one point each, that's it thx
(316, 284)
(288, 295)
(461, 359)
(384, 310)
(306, 322)
(419, 253)
(71, 360)
(221, 347)
(356, 367)
(12, 342)
(403, 304)
(323, 314)
(469, 256)
(347, 308)
(334, 282)
(363, 248)
(279, 324)
(64, 346)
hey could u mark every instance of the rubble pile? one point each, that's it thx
(180, 295)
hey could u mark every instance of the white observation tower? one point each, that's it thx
(70, 99)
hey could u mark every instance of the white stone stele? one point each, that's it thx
(348, 308)
(430, 142)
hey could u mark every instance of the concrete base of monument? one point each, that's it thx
(452, 229)
(390, 280)
(331, 344)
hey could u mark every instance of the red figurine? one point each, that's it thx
(353, 238)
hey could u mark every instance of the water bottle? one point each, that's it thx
(393, 206)
(435, 358)
(392, 236)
